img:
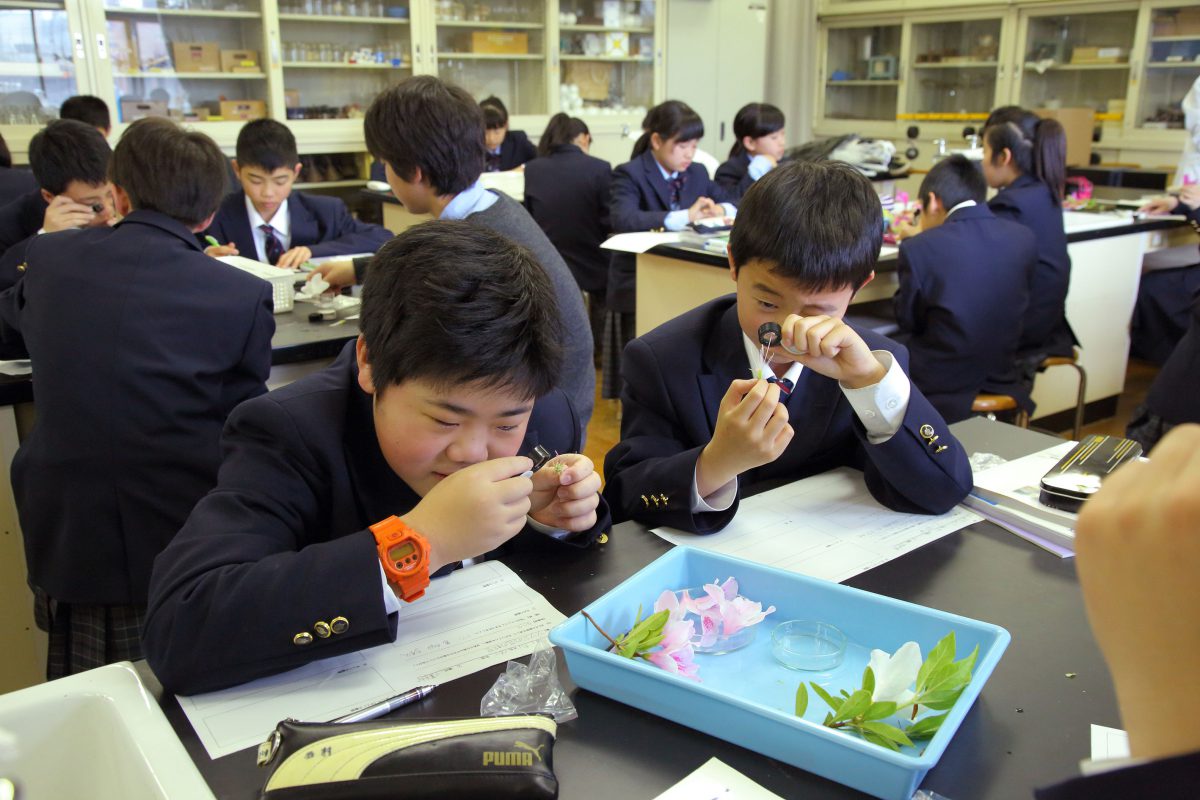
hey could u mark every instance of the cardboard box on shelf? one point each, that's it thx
(499, 42)
(197, 56)
(122, 47)
(240, 61)
(152, 50)
(1079, 124)
(291, 98)
(136, 109)
(594, 79)
(243, 109)
(195, 115)
(1099, 55)
(1176, 22)
(616, 43)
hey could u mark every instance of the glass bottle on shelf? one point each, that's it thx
(861, 72)
(1172, 66)
(607, 65)
(1078, 60)
(954, 67)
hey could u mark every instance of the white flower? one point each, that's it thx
(896, 674)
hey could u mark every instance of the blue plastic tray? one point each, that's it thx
(748, 698)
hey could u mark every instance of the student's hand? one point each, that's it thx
(1190, 196)
(294, 257)
(905, 229)
(218, 250)
(474, 510)
(752, 430)
(829, 346)
(704, 207)
(337, 274)
(1137, 545)
(1160, 205)
(63, 213)
(567, 500)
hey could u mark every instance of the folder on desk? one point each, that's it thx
(1009, 495)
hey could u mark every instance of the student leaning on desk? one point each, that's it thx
(700, 427)
(410, 440)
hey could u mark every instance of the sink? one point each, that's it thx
(99, 734)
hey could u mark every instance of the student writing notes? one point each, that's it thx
(964, 287)
(424, 418)
(267, 221)
(758, 146)
(141, 346)
(506, 149)
(700, 428)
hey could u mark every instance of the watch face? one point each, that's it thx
(404, 555)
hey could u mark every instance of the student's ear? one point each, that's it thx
(47, 196)
(733, 270)
(237, 169)
(124, 207)
(933, 205)
(748, 144)
(1006, 157)
(205, 224)
(365, 380)
(656, 141)
(298, 168)
(870, 278)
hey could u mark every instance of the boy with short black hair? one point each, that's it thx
(413, 434)
(506, 149)
(267, 221)
(705, 420)
(69, 159)
(141, 346)
(964, 288)
(87, 109)
(429, 134)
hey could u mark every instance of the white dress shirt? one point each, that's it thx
(281, 222)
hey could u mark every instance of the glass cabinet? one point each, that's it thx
(606, 56)
(1171, 58)
(861, 73)
(953, 67)
(38, 67)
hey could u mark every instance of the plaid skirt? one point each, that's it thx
(618, 331)
(84, 637)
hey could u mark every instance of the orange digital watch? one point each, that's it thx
(405, 557)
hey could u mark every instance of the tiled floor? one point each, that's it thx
(604, 431)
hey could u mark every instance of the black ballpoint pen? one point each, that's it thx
(387, 706)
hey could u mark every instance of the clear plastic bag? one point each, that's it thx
(532, 689)
(982, 461)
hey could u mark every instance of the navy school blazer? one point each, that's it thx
(1044, 329)
(964, 288)
(282, 541)
(16, 182)
(21, 219)
(641, 199)
(734, 176)
(515, 150)
(675, 377)
(141, 346)
(322, 224)
(567, 193)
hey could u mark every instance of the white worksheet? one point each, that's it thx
(468, 620)
(827, 526)
(716, 780)
(1109, 743)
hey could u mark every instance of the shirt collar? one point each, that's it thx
(281, 222)
(756, 362)
(662, 170)
(465, 203)
(963, 204)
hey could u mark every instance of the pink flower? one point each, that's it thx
(675, 653)
(741, 613)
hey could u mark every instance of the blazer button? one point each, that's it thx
(302, 638)
(645, 502)
(339, 624)
(322, 628)
(926, 431)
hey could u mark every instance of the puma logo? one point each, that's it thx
(537, 751)
(511, 758)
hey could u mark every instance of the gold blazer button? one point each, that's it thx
(302, 638)
(339, 624)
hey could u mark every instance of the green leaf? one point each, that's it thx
(856, 704)
(882, 741)
(801, 700)
(641, 629)
(941, 701)
(890, 732)
(941, 654)
(844, 693)
(926, 727)
(868, 681)
(830, 700)
(828, 719)
(880, 710)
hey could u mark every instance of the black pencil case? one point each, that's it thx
(484, 757)
(1078, 474)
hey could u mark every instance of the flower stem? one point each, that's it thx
(588, 617)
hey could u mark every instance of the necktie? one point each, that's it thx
(493, 162)
(785, 386)
(677, 184)
(274, 246)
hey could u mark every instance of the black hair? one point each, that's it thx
(560, 130)
(425, 123)
(754, 120)
(452, 303)
(68, 150)
(165, 168)
(268, 144)
(671, 119)
(955, 179)
(5, 154)
(495, 115)
(86, 108)
(818, 224)
(1038, 146)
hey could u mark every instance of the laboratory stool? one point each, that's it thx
(1080, 398)
(989, 404)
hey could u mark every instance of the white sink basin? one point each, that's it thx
(99, 734)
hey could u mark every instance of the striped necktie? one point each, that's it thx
(274, 246)
(785, 386)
